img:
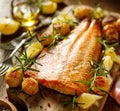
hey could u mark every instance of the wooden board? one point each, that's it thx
(50, 101)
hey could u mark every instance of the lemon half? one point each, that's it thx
(86, 100)
(8, 26)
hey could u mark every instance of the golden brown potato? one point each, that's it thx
(118, 24)
(110, 33)
(45, 37)
(30, 86)
(82, 12)
(14, 77)
(101, 82)
(48, 7)
(108, 20)
(62, 28)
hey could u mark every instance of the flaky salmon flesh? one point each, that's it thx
(69, 60)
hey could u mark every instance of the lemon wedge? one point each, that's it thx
(107, 62)
(86, 100)
(34, 49)
(111, 52)
(48, 7)
(8, 26)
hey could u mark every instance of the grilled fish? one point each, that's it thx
(69, 60)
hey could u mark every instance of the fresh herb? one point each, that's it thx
(71, 103)
(25, 62)
(98, 70)
(35, 2)
(56, 36)
(56, 39)
(105, 43)
(103, 90)
(66, 18)
(99, 13)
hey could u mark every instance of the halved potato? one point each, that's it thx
(48, 7)
(30, 86)
(14, 77)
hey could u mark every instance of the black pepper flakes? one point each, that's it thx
(4, 108)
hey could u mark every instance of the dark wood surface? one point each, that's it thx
(111, 104)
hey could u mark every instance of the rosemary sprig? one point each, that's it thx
(64, 18)
(72, 103)
(56, 36)
(98, 70)
(25, 62)
(105, 43)
(103, 90)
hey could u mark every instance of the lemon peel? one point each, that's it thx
(34, 49)
(8, 26)
(111, 52)
(86, 100)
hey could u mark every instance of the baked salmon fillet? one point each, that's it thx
(69, 60)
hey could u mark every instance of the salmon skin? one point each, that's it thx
(69, 60)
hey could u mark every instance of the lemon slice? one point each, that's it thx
(34, 49)
(107, 62)
(8, 26)
(48, 7)
(57, 1)
(111, 52)
(86, 100)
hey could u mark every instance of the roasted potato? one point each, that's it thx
(48, 7)
(30, 86)
(101, 82)
(14, 77)
(109, 19)
(110, 33)
(118, 24)
(82, 12)
(46, 37)
(62, 28)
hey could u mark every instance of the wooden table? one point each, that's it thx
(110, 104)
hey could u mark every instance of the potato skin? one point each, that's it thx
(14, 78)
(102, 82)
(45, 37)
(82, 12)
(118, 25)
(110, 33)
(62, 28)
(30, 86)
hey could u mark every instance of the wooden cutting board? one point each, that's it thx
(51, 100)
